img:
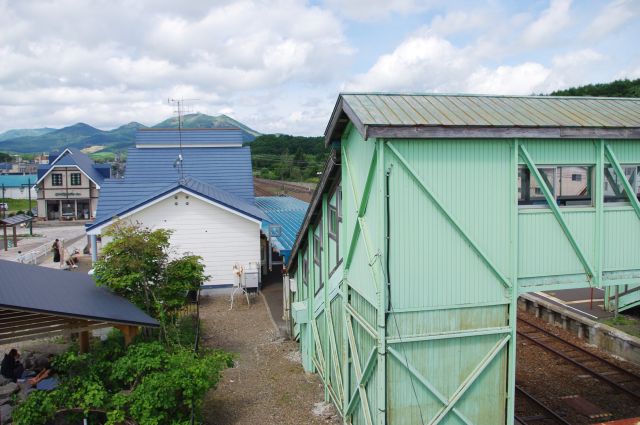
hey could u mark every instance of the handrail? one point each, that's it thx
(34, 256)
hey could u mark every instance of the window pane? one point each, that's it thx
(613, 188)
(573, 185)
(56, 179)
(529, 191)
(75, 179)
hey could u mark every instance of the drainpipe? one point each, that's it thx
(94, 248)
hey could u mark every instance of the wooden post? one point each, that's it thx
(6, 242)
(84, 342)
(129, 332)
(15, 237)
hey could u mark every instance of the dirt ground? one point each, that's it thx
(267, 384)
(549, 378)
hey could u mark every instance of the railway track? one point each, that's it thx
(620, 379)
(537, 413)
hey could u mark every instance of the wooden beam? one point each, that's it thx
(84, 342)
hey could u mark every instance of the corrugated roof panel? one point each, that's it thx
(286, 211)
(43, 289)
(72, 157)
(390, 109)
(189, 137)
(228, 168)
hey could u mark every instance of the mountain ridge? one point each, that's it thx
(84, 136)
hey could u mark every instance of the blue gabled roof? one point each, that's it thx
(71, 157)
(227, 168)
(286, 211)
(190, 137)
(119, 197)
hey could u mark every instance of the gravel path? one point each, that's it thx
(267, 384)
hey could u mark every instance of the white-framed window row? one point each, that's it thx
(572, 185)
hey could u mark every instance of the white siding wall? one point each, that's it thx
(220, 237)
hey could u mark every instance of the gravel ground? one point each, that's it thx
(267, 384)
(549, 377)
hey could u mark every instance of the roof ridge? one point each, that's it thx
(512, 96)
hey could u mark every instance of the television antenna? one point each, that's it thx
(180, 109)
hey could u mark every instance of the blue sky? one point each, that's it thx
(278, 65)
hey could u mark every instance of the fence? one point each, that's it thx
(35, 256)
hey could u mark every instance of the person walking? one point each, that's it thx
(55, 248)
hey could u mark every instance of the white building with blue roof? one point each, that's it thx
(199, 184)
(69, 185)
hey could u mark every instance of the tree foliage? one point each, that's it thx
(618, 88)
(5, 157)
(283, 157)
(137, 264)
(146, 384)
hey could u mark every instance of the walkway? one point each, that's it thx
(268, 384)
(584, 301)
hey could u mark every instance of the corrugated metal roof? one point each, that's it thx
(475, 110)
(286, 211)
(42, 289)
(390, 115)
(227, 168)
(70, 157)
(11, 180)
(16, 219)
(190, 137)
(119, 197)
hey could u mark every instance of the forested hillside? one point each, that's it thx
(618, 88)
(283, 157)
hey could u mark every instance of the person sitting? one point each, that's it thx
(11, 367)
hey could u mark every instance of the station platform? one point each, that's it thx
(588, 302)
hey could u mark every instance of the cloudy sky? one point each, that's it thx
(278, 65)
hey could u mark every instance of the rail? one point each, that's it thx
(545, 416)
(615, 376)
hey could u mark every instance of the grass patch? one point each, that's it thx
(16, 205)
(103, 156)
(627, 324)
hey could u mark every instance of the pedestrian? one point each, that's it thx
(11, 367)
(55, 248)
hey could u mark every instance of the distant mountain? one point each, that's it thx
(12, 134)
(84, 136)
(207, 121)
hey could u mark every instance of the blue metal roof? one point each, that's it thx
(119, 197)
(190, 137)
(289, 213)
(14, 180)
(71, 157)
(227, 168)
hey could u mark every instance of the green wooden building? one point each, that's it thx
(433, 214)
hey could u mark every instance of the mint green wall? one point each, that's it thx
(437, 344)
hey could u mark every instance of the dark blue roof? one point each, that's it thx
(119, 197)
(190, 137)
(286, 211)
(59, 292)
(72, 156)
(227, 168)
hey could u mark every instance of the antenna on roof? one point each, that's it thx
(180, 110)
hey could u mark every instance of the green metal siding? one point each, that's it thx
(438, 344)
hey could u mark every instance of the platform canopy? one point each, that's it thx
(38, 302)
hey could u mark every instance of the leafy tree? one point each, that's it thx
(146, 384)
(618, 88)
(137, 265)
(5, 157)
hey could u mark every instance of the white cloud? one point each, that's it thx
(369, 10)
(612, 17)
(62, 57)
(551, 21)
(421, 61)
(522, 79)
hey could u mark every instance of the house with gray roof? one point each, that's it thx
(69, 185)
